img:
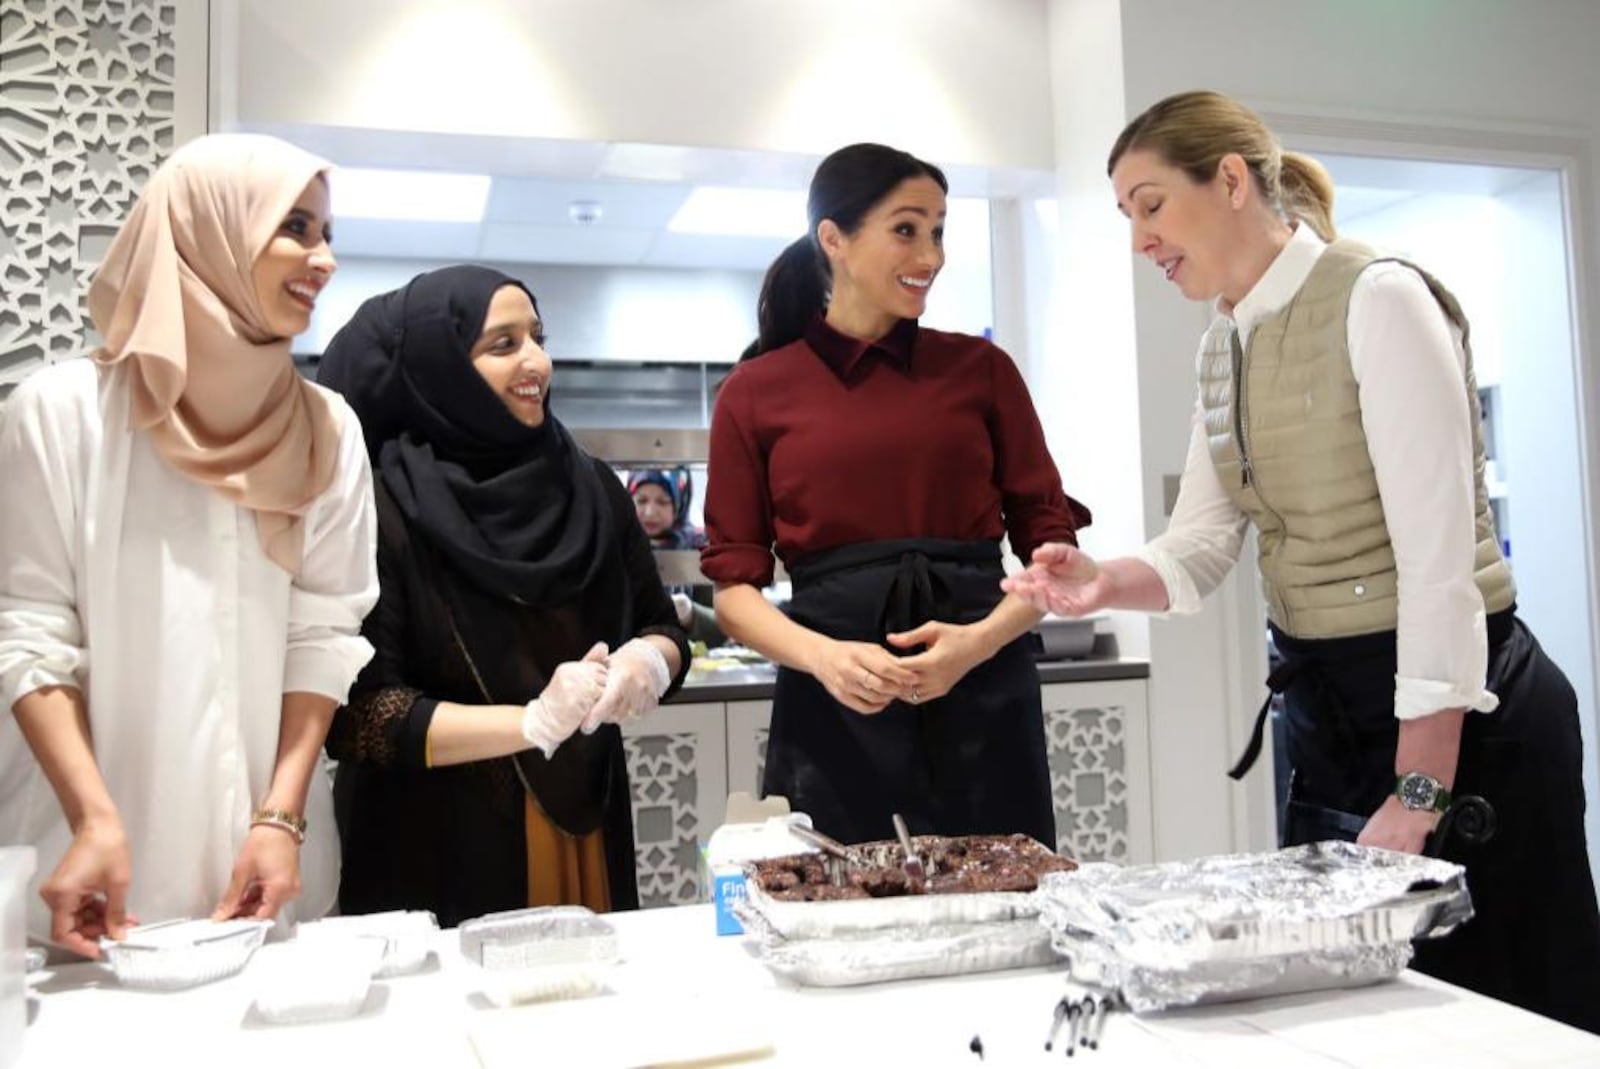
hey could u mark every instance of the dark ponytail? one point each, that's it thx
(848, 184)
(795, 290)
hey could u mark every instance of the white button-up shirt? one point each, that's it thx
(151, 594)
(1409, 363)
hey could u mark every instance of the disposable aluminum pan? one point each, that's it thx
(885, 954)
(793, 919)
(539, 936)
(1241, 926)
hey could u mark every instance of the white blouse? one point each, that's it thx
(1409, 364)
(151, 594)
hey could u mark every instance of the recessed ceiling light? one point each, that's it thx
(414, 196)
(755, 213)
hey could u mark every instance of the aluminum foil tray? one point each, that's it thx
(176, 954)
(1241, 926)
(793, 919)
(885, 954)
(539, 936)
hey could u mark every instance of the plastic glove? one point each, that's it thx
(574, 689)
(637, 678)
(684, 608)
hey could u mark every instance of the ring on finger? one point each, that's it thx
(916, 696)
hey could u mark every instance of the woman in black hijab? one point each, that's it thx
(520, 618)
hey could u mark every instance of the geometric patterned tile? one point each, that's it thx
(666, 823)
(1087, 752)
(87, 112)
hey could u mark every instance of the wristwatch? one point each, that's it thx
(1417, 790)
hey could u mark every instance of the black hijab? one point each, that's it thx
(519, 510)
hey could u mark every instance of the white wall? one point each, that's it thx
(952, 80)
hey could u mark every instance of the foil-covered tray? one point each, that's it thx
(539, 936)
(872, 893)
(1241, 926)
(885, 954)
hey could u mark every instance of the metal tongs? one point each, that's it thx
(839, 856)
(912, 863)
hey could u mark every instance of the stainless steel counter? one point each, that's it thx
(754, 682)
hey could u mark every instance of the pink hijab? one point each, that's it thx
(215, 390)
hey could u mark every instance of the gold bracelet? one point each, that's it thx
(293, 823)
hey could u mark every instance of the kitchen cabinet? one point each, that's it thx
(684, 759)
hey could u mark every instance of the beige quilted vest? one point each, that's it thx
(1293, 456)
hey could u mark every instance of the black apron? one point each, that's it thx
(1535, 938)
(971, 762)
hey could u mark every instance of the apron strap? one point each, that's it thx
(1277, 682)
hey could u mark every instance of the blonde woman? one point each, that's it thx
(186, 554)
(1338, 413)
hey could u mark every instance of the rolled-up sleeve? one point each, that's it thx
(41, 633)
(338, 580)
(739, 531)
(1417, 416)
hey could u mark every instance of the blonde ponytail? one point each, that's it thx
(1307, 192)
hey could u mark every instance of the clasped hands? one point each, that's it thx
(603, 687)
(866, 677)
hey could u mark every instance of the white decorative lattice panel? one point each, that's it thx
(87, 112)
(677, 766)
(666, 847)
(1088, 780)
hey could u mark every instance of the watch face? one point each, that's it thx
(1418, 791)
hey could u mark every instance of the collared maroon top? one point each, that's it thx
(832, 441)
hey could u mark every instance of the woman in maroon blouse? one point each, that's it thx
(882, 463)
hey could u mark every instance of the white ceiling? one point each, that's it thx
(639, 187)
(535, 181)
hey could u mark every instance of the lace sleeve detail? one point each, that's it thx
(374, 726)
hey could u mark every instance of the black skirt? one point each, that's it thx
(971, 762)
(1535, 938)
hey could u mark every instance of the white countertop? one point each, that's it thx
(678, 975)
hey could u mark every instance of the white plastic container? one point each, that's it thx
(540, 954)
(733, 844)
(410, 935)
(323, 979)
(16, 869)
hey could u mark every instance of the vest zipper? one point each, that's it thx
(1244, 457)
(1238, 408)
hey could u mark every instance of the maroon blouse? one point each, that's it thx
(832, 441)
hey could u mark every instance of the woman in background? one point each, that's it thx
(1338, 413)
(520, 621)
(661, 498)
(188, 516)
(883, 462)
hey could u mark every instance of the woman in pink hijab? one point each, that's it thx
(186, 555)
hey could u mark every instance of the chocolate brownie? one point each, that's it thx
(965, 864)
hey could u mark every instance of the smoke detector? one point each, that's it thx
(585, 212)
